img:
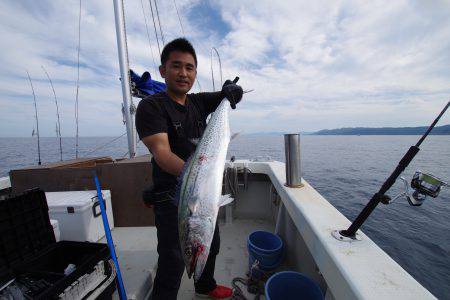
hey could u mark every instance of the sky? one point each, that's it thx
(311, 64)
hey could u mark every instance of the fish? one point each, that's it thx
(199, 192)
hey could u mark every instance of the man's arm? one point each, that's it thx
(210, 101)
(159, 146)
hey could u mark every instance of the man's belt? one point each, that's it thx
(152, 196)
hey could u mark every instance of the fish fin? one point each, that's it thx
(192, 206)
(175, 194)
(234, 135)
(225, 199)
(177, 191)
(194, 141)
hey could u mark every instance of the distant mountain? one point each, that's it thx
(438, 130)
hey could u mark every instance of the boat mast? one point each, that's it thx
(78, 82)
(128, 108)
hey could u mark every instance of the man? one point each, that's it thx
(167, 122)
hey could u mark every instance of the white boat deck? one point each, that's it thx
(137, 256)
(232, 260)
(136, 251)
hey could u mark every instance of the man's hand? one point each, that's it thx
(159, 146)
(232, 92)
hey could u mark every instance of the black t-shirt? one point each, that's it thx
(158, 113)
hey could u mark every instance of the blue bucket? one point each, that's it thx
(265, 247)
(291, 285)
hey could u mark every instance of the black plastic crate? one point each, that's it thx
(29, 253)
(25, 227)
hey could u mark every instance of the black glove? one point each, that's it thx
(232, 92)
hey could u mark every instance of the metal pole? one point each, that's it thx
(124, 73)
(78, 84)
(293, 165)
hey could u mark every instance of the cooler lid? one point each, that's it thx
(75, 200)
(25, 228)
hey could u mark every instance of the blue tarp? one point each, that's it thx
(146, 84)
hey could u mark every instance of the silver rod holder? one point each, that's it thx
(293, 165)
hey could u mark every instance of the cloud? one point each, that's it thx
(312, 65)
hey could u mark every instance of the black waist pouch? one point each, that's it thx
(154, 195)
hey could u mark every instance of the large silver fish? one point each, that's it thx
(199, 196)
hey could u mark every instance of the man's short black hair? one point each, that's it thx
(179, 44)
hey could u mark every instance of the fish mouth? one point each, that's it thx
(198, 250)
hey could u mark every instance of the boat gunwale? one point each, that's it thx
(357, 270)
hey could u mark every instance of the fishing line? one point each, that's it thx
(154, 26)
(148, 37)
(184, 34)
(159, 21)
(107, 143)
(179, 18)
(126, 153)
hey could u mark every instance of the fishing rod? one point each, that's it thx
(214, 49)
(37, 120)
(424, 184)
(58, 125)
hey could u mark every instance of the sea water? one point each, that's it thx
(346, 170)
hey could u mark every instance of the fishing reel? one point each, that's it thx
(423, 184)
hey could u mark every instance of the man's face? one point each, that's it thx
(179, 72)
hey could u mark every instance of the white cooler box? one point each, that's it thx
(79, 215)
(56, 231)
